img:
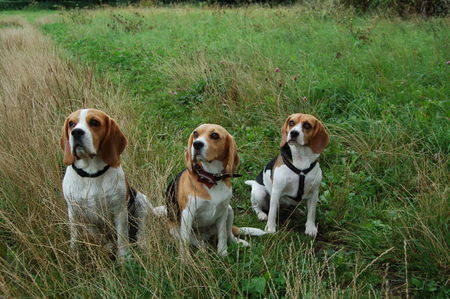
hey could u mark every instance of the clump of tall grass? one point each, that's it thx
(37, 90)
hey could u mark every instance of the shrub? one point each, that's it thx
(402, 7)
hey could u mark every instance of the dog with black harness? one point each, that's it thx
(294, 174)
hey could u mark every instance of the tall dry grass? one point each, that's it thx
(37, 90)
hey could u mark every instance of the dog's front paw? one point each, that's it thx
(73, 245)
(223, 252)
(270, 229)
(109, 246)
(123, 257)
(198, 243)
(311, 230)
(243, 243)
(184, 250)
(262, 216)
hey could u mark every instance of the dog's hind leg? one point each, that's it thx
(233, 231)
(258, 197)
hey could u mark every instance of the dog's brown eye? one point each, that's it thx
(94, 123)
(214, 136)
(291, 123)
(71, 124)
(307, 126)
(195, 134)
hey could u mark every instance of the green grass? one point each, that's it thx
(379, 84)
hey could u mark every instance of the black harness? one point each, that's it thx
(85, 174)
(286, 155)
(301, 175)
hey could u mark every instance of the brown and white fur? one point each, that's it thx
(90, 141)
(305, 137)
(198, 212)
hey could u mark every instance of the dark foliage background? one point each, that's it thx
(400, 7)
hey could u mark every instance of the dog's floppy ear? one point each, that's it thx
(113, 144)
(233, 158)
(188, 154)
(284, 132)
(320, 138)
(69, 158)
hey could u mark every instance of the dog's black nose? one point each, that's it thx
(294, 134)
(198, 145)
(77, 133)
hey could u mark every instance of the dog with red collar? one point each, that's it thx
(198, 199)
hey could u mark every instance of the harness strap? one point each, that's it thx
(301, 173)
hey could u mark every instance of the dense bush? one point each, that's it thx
(13, 4)
(45, 4)
(402, 7)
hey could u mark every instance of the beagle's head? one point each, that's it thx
(90, 132)
(209, 143)
(305, 129)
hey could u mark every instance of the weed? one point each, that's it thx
(78, 16)
(134, 24)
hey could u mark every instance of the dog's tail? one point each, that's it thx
(250, 182)
(161, 211)
(247, 231)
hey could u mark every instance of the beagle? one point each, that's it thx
(294, 174)
(97, 193)
(198, 199)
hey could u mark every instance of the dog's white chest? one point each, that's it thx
(208, 211)
(95, 200)
(288, 182)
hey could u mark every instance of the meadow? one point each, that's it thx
(378, 82)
